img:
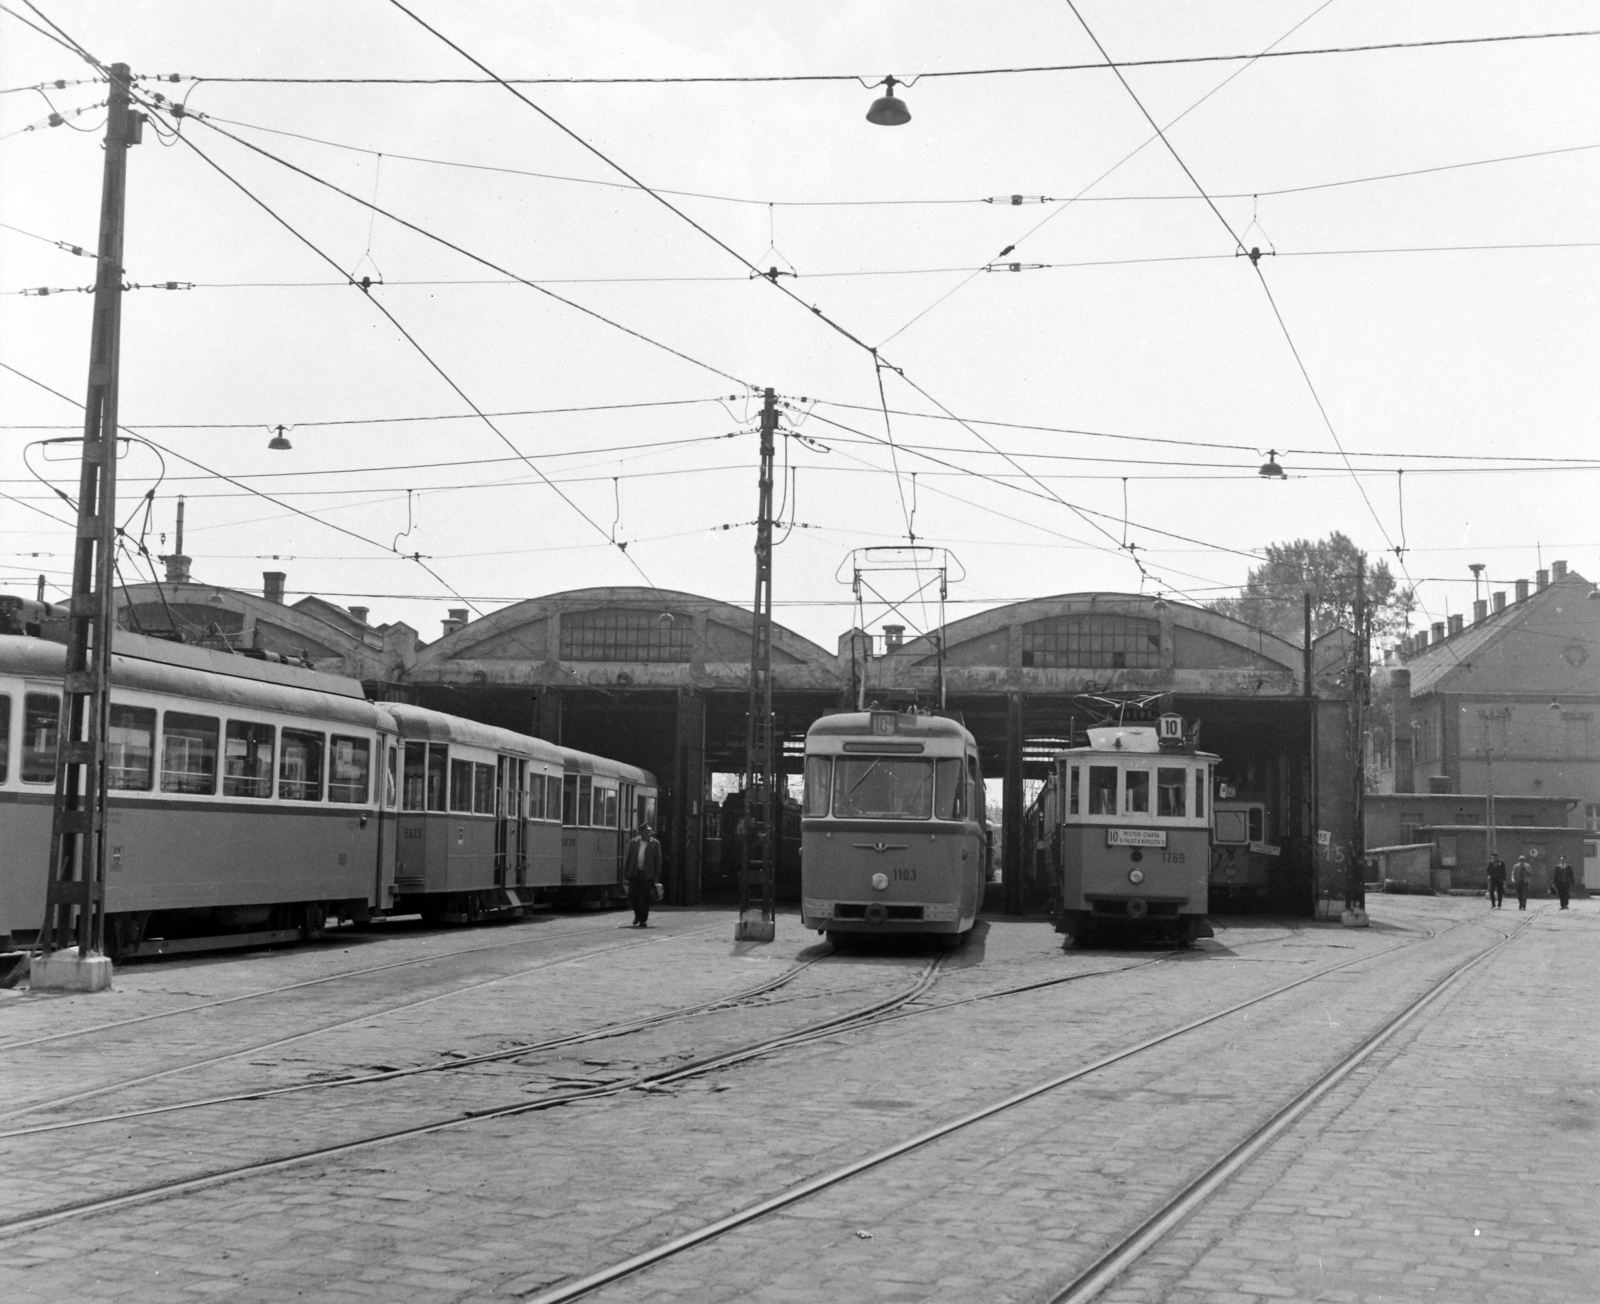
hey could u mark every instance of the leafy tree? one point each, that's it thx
(1326, 568)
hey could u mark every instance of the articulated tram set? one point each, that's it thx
(254, 800)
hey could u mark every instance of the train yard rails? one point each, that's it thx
(986, 1124)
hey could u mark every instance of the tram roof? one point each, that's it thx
(854, 724)
(419, 722)
(588, 763)
(200, 674)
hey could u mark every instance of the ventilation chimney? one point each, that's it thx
(1438, 631)
(1480, 611)
(456, 619)
(1405, 778)
(177, 563)
(893, 637)
(1543, 579)
(1457, 624)
(1522, 590)
(1500, 601)
(360, 613)
(1558, 571)
(272, 585)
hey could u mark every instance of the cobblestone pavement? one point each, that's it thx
(1482, 1112)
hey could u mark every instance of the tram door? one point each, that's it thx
(387, 800)
(510, 828)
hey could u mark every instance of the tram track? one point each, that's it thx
(874, 1014)
(432, 958)
(383, 1012)
(1149, 1232)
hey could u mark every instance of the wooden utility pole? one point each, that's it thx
(1355, 894)
(75, 900)
(758, 849)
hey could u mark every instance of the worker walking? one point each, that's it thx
(1561, 880)
(641, 868)
(1521, 877)
(1497, 882)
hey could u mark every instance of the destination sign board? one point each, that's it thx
(1136, 837)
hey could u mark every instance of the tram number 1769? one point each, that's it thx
(1172, 857)
(905, 874)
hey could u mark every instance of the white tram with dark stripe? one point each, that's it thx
(251, 800)
(1132, 837)
(893, 836)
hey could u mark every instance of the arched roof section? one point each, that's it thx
(642, 637)
(1110, 641)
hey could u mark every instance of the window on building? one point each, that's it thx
(131, 748)
(1578, 729)
(349, 769)
(247, 759)
(613, 635)
(1591, 817)
(1092, 642)
(189, 753)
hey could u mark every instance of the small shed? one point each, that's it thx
(1463, 851)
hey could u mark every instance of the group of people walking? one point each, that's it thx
(1561, 879)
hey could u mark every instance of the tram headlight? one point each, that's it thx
(1136, 876)
(880, 882)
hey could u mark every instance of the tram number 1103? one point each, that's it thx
(905, 874)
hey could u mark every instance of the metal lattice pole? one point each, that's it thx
(75, 900)
(760, 843)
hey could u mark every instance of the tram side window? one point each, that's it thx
(552, 797)
(1072, 790)
(483, 789)
(300, 767)
(1172, 787)
(438, 775)
(1102, 790)
(349, 770)
(461, 785)
(585, 800)
(5, 736)
(1200, 794)
(649, 813)
(819, 777)
(131, 748)
(610, 807)
(949, 789)
(975, 802)
(1257, 832)
(569, 800)
(391, 778)
(536, 797)
(247, 759)
(413, 793)
(41, 719)
(189, 753)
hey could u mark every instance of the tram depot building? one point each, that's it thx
(660, 679)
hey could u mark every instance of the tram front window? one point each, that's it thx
(1102, 790)
(1137, 798)
(949, 790)
(1172, 788)
(819, 775)
(882, 787)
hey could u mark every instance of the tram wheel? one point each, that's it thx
(314, 915)
(839, 940)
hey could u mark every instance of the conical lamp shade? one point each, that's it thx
(888, 111)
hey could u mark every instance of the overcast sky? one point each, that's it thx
(1456, 366)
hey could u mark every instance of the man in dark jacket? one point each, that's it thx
(641, 868)
(1497, 882)
(1522, 879)
(1561, 880)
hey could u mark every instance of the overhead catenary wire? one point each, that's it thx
(1013, 70)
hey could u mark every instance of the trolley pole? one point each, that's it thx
(758, 849)
(71, 942)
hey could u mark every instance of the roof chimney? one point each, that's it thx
(1457, 624)
(456, 619)
(1543, 578)
(1480, 611)
(1522, 590)
(360, 613)
(1500, 601)
(893, 637)
(1438, 631)
(1558, 570)
(272, 585)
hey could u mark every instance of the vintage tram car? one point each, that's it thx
(893, 832)
(249, 800)
(1241, 851)
(1131, 844)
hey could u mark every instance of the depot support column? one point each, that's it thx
(1012, 851)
